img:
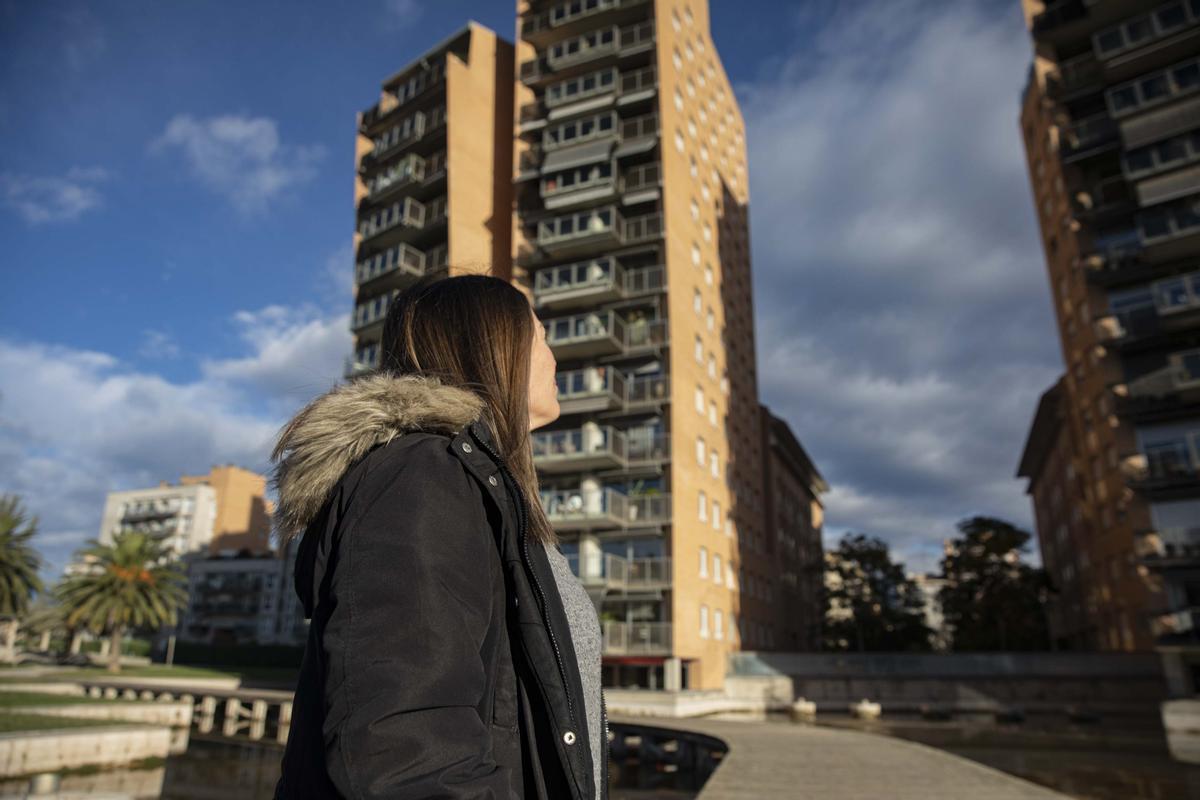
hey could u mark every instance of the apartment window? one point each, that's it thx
(1152, 89)
(699, 398)
(695, 254)
(718, 625)
(563, 12)
(675, 20)
(690, 86)
(697, 301)
(688, 51)
(717, 568)
(687, 15)
(679, 140)
(702, 506)
(677, 59)
(580, 87)
(699, 350)
(695, 210)
(678, 100)
(729, 572)
(703, 561)
(700, 451)
(708, 275)
(712, 365)
(716, 515)
(579, 130)
(703, 621)
(692, 168)
(705, 192)
(707, 232)
(712, 408)
(714, 464)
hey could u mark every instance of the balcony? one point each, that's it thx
(641, 184)
(583, 509)
(564, 18)
(1074, 76)
(401, 96)
(593, 282)
(1176, 626)
(601, 333)
(590, 389)
(638, 85)
(636, 638)
(1167, 469)
(646, 449)
(370, 312)
(1088, 137)
(579, 449)
(404, 174)
(646, 391)
(1059, 14)
(1171, 392)
(1102, 200)
(618, 574)
(1169, 547)
(401, 221)
(151, 511)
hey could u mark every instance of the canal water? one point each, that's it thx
(1126, 761)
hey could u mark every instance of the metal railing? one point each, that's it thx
(636, 637)
(605, 506)
(619, 573)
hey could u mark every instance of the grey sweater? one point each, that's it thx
(585, 636)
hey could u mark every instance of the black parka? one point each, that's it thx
(439, 663)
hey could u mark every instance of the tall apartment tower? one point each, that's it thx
(1111, 122)
(243, 519)
(631, 179)
(433, 189)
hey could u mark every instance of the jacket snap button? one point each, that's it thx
(569, 737)
(466, 447)
(492, 480)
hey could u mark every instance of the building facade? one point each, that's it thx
(432, 187)
(631, 238)
(1054, 489)
(185, 515)
(243, 519)
(1110, 122)
(793, 550)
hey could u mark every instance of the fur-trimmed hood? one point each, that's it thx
(326, 437)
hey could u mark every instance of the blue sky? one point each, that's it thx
(176, 212)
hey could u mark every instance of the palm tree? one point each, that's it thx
(19, 564)
(131, 582)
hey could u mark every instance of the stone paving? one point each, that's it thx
(775, 760)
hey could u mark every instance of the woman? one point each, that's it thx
(451, 653)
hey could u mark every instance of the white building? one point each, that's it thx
(185, 513)
(929, 586)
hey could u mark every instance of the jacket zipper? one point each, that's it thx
(604, 749)
(525, 548)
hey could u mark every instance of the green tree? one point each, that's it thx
(992, 600)
(130, 583)
(870, 605)
(19, 564)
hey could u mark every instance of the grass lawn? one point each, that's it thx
(13, 723)
(18, 699)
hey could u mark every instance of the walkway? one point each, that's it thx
(780, 760)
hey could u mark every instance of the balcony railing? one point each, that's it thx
(1169, 543)
(639, 127)
(1058, 14)
(407, 172)
(1176, 624)
(648, 390)
(641, 80)
(643, 176)
(371, 312)
(1075, 74)
(592, 447)
(1088, 133)
(605, 508)
(595, 281)
(1107, 194)
(642, 448)
(1164, 464)
(403, 258)
(590, 389)
(603, 332)
(621, 574)
(637, 638)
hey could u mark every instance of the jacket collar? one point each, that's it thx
(330, 434)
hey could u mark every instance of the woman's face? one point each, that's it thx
(543, 388)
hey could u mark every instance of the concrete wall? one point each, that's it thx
(1116, 683)
(50, 751)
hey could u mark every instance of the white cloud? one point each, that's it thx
(403, 13)
(904, 326)
(41, 199)
(240, 158)
(76, 424)
(158, 344)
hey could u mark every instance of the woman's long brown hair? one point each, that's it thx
(474, 332)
